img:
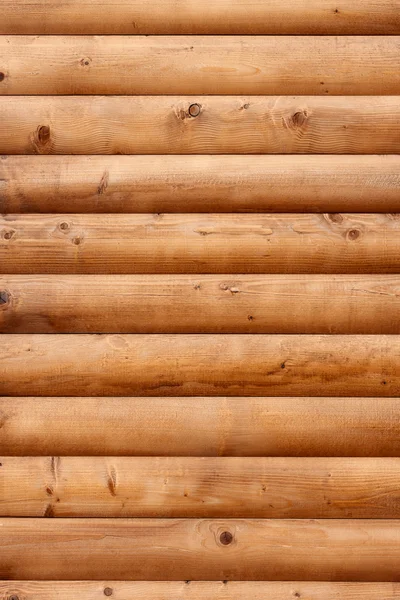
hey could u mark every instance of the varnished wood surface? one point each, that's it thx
(204, 426)
(195, 365)
(200, 304)
(223, 125)
(200, 487)
(359, 65)
(200, 590)
(212, 243)
(235, 183)
(223, 17)
(173, 446)
(215, 549)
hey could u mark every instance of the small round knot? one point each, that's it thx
(8, 234)
(2, 76)
(353, 234)
(299, 118)
(76, 241)
(43, 134)
(226, 538)
(64, 226)
(13, 597)
(108, 591)
(194, 110)
(85, 62)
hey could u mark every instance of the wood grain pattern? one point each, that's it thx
(235, 183)
(223, 17)
(199, 341)
(171, 549)
(344, 304)
(200, 487)
(220, 65)
(195, 365)
(224, 125)
(205, 426)
(200, 590)
(212, 243)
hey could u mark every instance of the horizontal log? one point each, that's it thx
(171, 549)
(200, 65)
(200, 487)
(199, 590)
(235, 183)
(200, 125)
(195, 365)
(168, 17)
(225, 426)
(212, 243)
(346, 304)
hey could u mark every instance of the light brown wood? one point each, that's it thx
(205, 426)
(171, 549)
(200, 487)
(224, 125)
(235, 183)
(199, 590)
(271, 458)
(222, 17)
(212, 243)
(195, 365)
(220, 65)
(203, 304)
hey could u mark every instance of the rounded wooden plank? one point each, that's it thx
(200, 125)
(199, 590)
(214, 549)
(195, 365)
(347, 304)
(194, 244)
(200, 487)
(235, 183)
(220, 65)
(222, 17)
(205, 426)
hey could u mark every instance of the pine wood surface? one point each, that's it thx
(200, 124)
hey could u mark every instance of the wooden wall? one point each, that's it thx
(200, 300)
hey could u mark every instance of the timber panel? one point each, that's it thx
(201, 590)
(181, 243)
(199, 300)
(200, 487)
(214, 549)
(218, 426)
(196, 365)
(345, 304)
(199, 184)
(167, 17)
(200, 65)
(200, 125)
